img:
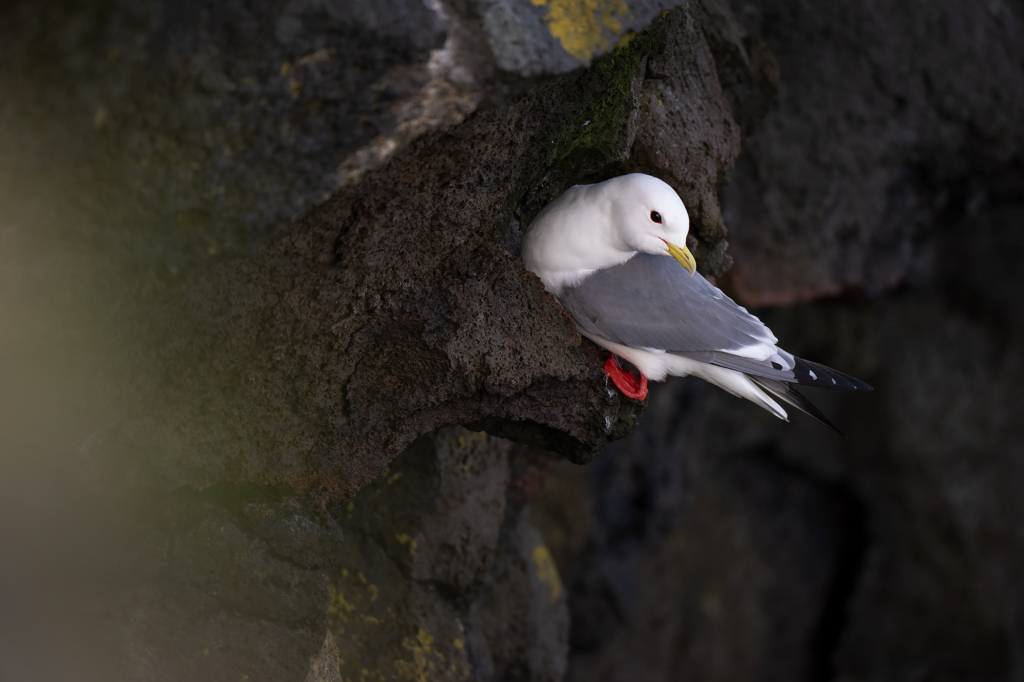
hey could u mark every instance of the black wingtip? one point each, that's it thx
(833, 427)
(808, 408)
(809, 373)
(791, 396)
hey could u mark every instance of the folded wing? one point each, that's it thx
(650, 302)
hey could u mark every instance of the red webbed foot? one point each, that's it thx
(625, 381)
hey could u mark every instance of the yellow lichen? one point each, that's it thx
(582, 26)
(470, 438)
(428, 662)
(406, 539)
(425, 658)
(547, 572)
(339, 608)
(320, 55)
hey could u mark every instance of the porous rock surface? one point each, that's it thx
(233, 384)
(399, 305)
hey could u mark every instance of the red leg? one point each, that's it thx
(625, 381)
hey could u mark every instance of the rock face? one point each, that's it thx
(241, 388)
(879, 109)
(398, 305)
(719, 543)
(262, 300)
(441, 523)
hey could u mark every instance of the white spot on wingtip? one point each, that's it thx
(813, 375)
(833, 381)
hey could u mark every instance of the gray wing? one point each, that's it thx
(652, 302)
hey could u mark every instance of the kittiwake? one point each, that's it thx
(611, 253)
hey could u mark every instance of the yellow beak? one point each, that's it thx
(684, 257)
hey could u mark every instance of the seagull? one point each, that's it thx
(614, 255)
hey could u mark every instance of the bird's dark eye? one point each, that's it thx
(656, 217)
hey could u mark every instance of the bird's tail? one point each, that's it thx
(788, 394)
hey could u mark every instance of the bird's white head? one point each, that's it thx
(649, 216)
(591, 227)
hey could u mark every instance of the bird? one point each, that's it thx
(614, 255)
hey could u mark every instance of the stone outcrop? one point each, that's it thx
(256, 380)
(399, 305)
(719, 543)
(283, 404)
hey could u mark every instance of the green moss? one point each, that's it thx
(597, 133)
(236, 495)
(590, 109)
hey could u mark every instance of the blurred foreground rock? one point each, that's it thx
(430, 573)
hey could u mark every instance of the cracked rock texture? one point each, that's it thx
(280, 403)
